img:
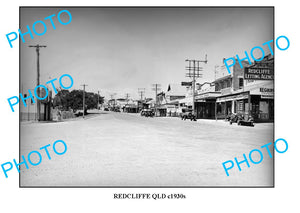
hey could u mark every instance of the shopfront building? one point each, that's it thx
(257, 102)
(205, 105)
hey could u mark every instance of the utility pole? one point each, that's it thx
(215, 87)
(156, 88)
(83, 101)
(98, 100)
(127, 95)
(38, 104)
(194, 72)
(141, 92)
(113, 98)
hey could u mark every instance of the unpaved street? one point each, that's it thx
(118, 149)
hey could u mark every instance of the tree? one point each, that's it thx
(66, 100)
(61, 99)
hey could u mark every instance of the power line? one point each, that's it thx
(194, 70)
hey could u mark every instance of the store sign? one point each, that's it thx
(187, 84)
(207, 95)
(226, 91)
(233, 97)
(267, 93)
(259, 73)
(266, 90)
(267, 96)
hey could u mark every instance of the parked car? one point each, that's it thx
(188, 114)
(147, 113)
(246, 121)
(234, 117)
(117, 110)
(243, 120)
(78, 113)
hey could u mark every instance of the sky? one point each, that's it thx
(118, 50)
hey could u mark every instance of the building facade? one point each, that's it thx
(169, 102)
(29, 112)
(248, 91)
(205, 101)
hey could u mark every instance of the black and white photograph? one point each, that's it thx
(146, 96)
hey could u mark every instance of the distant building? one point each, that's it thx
(131, 106)
(169, 102)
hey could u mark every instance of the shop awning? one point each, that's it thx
(207, 95)
(130, 106)
(233, 97)
(173, 102)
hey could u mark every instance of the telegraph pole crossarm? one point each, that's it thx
(194, 73)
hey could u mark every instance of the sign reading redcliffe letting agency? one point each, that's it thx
(259, 73)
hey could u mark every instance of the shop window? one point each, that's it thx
(217, 87)
(263, 107)
(240, 106)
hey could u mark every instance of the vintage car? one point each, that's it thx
(234, 117)
(246, 121)
(117, 110)
(147, 113)
(240, 119)
(188, 114)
